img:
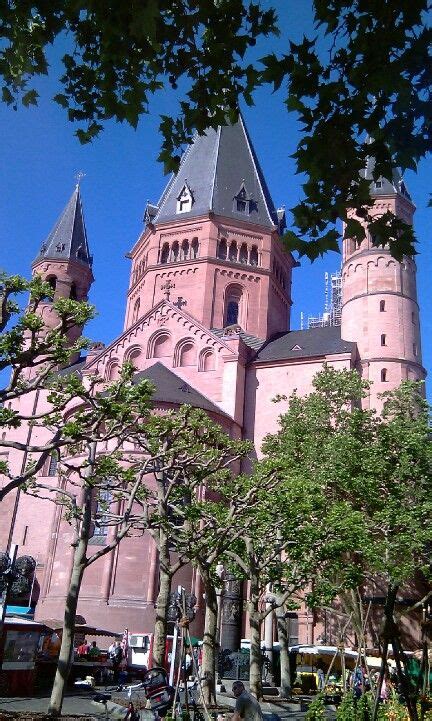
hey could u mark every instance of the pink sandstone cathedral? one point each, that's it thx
(208, 321)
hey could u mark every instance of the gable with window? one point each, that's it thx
(184, 199)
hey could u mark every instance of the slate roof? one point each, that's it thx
(68, 238)
(308, 344)
(250, 340)
(386, 187)
(170, 388)
(215, 167)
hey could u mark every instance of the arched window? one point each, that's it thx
(243, 255)
(233, 305)
(53, 463)
(222, 249)
(133, 355)
(136, 309)
(254, 255)
(112, 371)
(383, 375)
(415, 349)
(175, 252)
(52, 281)
(73, 292)
(233, 252)
(382, 306)
(383, 339)
(185, 250)
(232, 314)
(103, 501)
(207, 360)
(187, 355)
(159, 346)
(195, 246)
(164, 253)
(413, 318)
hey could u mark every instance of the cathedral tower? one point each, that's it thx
(64, 261)
(380, 311)
(211, 244)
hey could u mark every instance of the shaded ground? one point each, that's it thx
(79, 706)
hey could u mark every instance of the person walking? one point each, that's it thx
(247, 707)
(116, 657)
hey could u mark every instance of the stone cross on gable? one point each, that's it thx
(167, 287)
(180, 302)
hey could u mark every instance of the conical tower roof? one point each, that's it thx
(68, 238)
(221, 174)
(383, 186)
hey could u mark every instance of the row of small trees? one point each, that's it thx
(341, 494)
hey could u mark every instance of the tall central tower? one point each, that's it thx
(212, 244)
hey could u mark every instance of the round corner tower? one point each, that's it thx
(380, 311)
(64, 261)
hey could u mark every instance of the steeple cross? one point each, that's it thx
(167, 287)
(78, 177)
(180, 302)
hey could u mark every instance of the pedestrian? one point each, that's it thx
(116, 657)
(320, 675)
(83, 649)
(386, 687)
(247, 707)
(94, 651)
(132, 714)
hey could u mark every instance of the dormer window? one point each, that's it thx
(184, 200)
(378, 184)
(243, 202)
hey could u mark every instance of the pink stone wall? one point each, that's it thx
(265, 382)
(204, 280)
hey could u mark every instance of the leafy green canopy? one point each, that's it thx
(377, 468)
(366, 71)
(121, 54)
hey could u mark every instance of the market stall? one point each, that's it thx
(20, 642)
(93, 665)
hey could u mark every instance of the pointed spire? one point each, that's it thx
(219, 173)
(383, 186)
(68, 238)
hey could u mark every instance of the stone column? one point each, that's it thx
(231, 616)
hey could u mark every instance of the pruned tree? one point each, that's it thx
(98, 484)
(30, 352)
(195, 456)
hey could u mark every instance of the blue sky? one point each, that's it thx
(41, 156)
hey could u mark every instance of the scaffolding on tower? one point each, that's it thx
(333, 307)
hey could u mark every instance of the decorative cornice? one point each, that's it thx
(398, 293)
(160, 315)
(224, 231)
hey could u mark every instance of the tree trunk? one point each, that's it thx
(208, 666)
(78, 568)
(403, 679)
(162, 603)
(255, 671)
(387, 633)
(285, 669)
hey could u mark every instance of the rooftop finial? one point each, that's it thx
(79, 176)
